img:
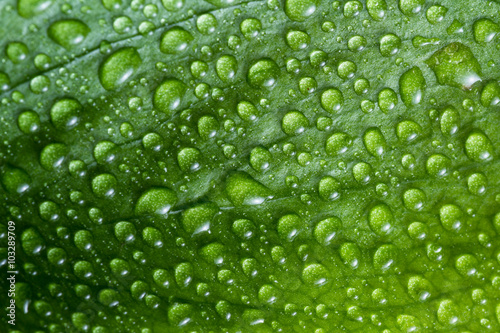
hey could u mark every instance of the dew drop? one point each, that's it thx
(119, 67)
(68, 33)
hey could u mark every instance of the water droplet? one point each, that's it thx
(411, 7)
(250, 27)
(315, 275)
(39, 84)
(456, 66)
(208, 127)
(390, 45)
(326, 230)
(450, 121)
(350, 254)
(244, 228)
(156, 201)
(180, 314)
(332, 100)
(30, 8)
(15, 180)
(377, 9)
(478, 147)
(152, 236)
(168, 95)
(329, 188)
(112, 4)
(412, 86)
(173, 5)
(122, 24)
(189, 159)
(68, 33)
(125, 231)
(485, 30)
(451, 217)
(387, 100)
(294, 123)
(418, 231)
(29, 122)
(356, 43)
(104, 185)
(477, 183)
(362, 172)
(337, 143)
(300, 10)
(346, 69)
(104, 152)
(53, 155)
(263, 74)
(435, 14)
(175, 41)
(361, 86)
(197, 220)
(206, 23)
(297, 40)
(438, 165)
(244, 190)
(64, 114)
(16, 52)
(374, 142)
(260, 159)
(214, 253)
(152, 142)
(307, 85)
(352, 8)
(386, 258)
(490, 95)
(268, 294)
(381, 219)
(226, 67)
(414, 199)
(119, 67)
(408, 130)
(247, 111)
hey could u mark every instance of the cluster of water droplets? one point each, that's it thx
(267, 166)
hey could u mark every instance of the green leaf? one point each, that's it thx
(250, 165)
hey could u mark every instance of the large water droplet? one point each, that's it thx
(175, 41)
(297, 40)
(299, 10)
(53, 155)
(377, 9)
(16, 52)
(374, 142)
(263, 74)
(68, 33)
(456, 66)
(64, 114)
(244, 190)
(332, 100)
(411, 7)
(412, 86)
(30, 8)
(15, 180)
(387, 100)
(478, 147)
(156, 201)
(226, 67)
(168, 95)
(490, 95)
(198, 219)
(485, 30)
(119, 67)
(294, 123)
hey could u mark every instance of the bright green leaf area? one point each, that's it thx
(251, 166)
